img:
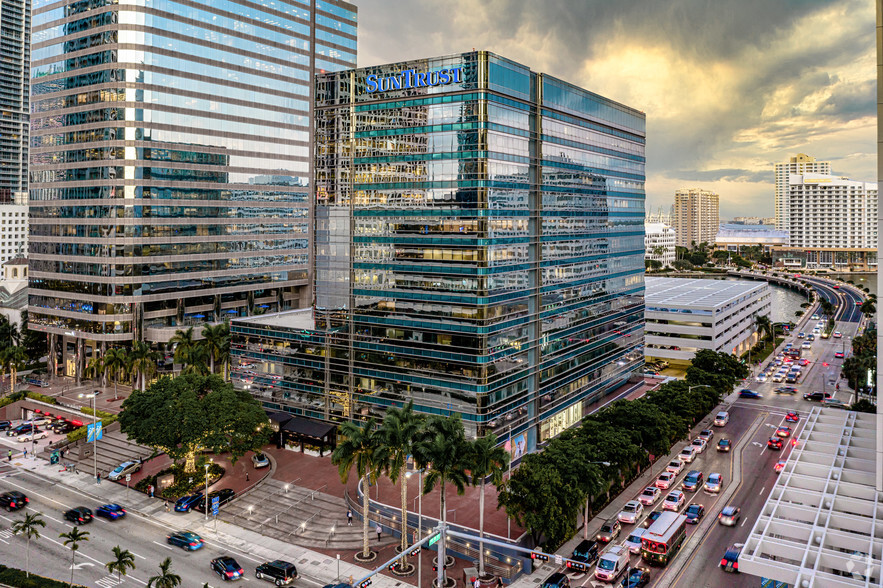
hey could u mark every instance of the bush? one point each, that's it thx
(182, 485)
(17, 579)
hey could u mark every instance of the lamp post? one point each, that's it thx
(206, 491)
(419, 523)
(95, 437)
(586, 511)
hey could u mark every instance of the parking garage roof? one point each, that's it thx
(696, 292)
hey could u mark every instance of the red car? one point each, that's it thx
(775, 443)
(780, 465)
(804, 362)
(783, 431)
(792, 417)
(838, 355)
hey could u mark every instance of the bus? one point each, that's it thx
(664, 538)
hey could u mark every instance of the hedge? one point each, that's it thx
(23, 394)
(18, 579)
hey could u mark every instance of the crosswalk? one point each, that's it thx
(5, 535)
(109, 581)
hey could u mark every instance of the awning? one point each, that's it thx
(279, 417)
(309, 429)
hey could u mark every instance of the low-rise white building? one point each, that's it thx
(13, 229)
(659, 243)
(686, 315)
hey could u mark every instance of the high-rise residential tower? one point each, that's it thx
(15, 47)
(800, 164)
(170, 162)
(696, 216)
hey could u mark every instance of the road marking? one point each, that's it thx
(136, 555)
(163, 545)
(52, 518)
(761, 491)
(745, 520)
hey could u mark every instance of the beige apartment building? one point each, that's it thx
(696, 216)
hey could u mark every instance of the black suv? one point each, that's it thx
(813, 396)
(585, 553)
(13, 500)
(20, 430)
(281, 573)
(557, 580)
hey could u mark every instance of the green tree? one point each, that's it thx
(143, 363)
(184, 346)
(864, 406)
(29, 527)
(72, 540)
(653, 264)
(166, 577)
(827, 307)
(34, 342)
(397, 436)
(357, 448)
(123, 561)
(868, 309)
(95, 367)
(13, 358)
(721, 255)
(181, 415)
(486, 460)
(764, 327)
(217, 344)
(115, 361)
(682, 264)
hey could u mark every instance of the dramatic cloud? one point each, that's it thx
(729, 88)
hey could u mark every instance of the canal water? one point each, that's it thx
(867, 280)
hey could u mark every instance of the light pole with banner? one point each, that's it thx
(93, 433)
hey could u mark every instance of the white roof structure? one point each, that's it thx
(701, 293)
(289, 319)
(822, 525)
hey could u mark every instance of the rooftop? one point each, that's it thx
(822, 526)
(290, 319)
(697, 293)
(17, 260)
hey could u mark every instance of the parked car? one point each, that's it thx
(110, 511)
(79, 514)
(185, 503)
(721, 419)
(279, 572)
(674, 501)
(665, 480)
(631, 511)
(224, 495)
(694, 513)
(729, 516)
(693, 481)
(724, 445)
(5, 425)
(13, 500)
(227, 568)
(649, 496)
(714, 483)
(186, 540)
(609, 531)
(34, 435)
(586, 552)
(259, 460)
(20, 430)
(127, 467)
(730, 560)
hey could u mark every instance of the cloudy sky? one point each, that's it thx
(729, 87)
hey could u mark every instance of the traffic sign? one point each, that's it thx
(434, 540)
(128, 477)
(559, 560)
(215, 504)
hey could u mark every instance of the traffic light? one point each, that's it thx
(575, 565)
(435, 567)
(539, 555)
(365, 584)
(414, 551)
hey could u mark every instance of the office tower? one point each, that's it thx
(479, 237)
(15, 45)
(801, 164)
(171, 152)
(696, 216)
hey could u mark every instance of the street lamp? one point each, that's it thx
(586, 511)
(419, 524)
(206, 491)
(95, 437)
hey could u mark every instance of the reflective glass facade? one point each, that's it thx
(15, 46)
(479, 237)
(170, 160)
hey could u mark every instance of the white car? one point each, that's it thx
(633, 543)
(779, 376)
(631, 512)
(674, 501)
(721, 419)
(699, 444)
(806, 345)
(39, 420)
(38, 434)
(676, 466)
(649, 496)
(687, 454)
(127, 467)
(837, 334)
(760, 378)
(665, 480)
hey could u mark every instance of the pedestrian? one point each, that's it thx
(9, 456)
(246, 476)
(379, 532)
(98, 478)
(26, 453)
(62, 454)
(476, 583)
(167, 506)
(150, 490)
(349, 517)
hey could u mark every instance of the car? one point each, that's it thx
(676, 466)
(729, 516)
(837, 334)
(649, 496)
(609, 531)
(779, 377)
(816, 396)
(693, 481)
(746, 393)
(5, 425)
(674, 501)
(13, 500)
(110, 511)
(633, 541)
(40, 420)
(730, 560)
(279, 572)
(834, 403)
(227, 568)
(62, 427)
(792, 417)
(687, 454)
(259, 460)
(186, 540)
(612, 563)
(811, 337)
(724, 445)
(714, 483)
(651, 518)
(721, 419)
(586, 552)
(806, 345)
(699, 444)
(801, 335)
(780, 465)
(783, 431)
(694, 513)
(32, 436)
(665, 480)
(556, 580)
(804, 362)
(785, 390)
(79, 514)
(792, 378)
(814, 317)
(706, 434)
(631, 512)
(224, 495)
(20, 430)
(127, 467)
(838, 354)
(636, 578)
(185, 503)
(760, 378)
(775, 442)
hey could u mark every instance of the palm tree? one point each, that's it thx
(115, 361)
(444, 452)
(14, 358)
(868, 308)
(123, 562)
(28, 527)
(143, 363)
(95, 367)
(217, 343)
(398, 434)
(184, 345)
(764, 326)
(166, 578)
(197, 361)
(358, 448)
(486, 459)
(72, 539)
(827, 308)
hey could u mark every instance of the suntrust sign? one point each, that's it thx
(411, 78)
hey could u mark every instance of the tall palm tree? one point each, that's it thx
(197, 361)
(166, 578)
(444, 451)
(217, 343)
(358, 448)
(28, 527)
(123, 561)
(398, 434)
(72, 539)
(115, 360)
(184, 345)
(143, 360)
(95, 367)
(486, 459)
(764, 326)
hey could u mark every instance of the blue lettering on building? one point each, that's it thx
(413, 79)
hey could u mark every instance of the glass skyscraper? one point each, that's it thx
(479, 249)
(15, 47)
(170, 161)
